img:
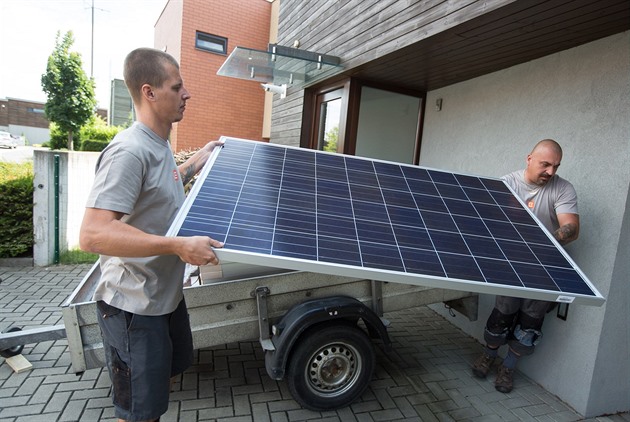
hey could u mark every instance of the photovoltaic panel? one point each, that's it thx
(301, 209)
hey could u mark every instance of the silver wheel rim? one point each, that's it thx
(333, 369)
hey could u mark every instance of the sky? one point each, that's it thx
(28, 30)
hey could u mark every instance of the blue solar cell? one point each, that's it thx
(386, 169)
(498, 272)
(398, 198)
(478, 195)
(517, 251)
(460, 207)
(369, 231)
(484, 247)
(283, 202)
(501, 230)
(461, 267)
(294, 244)
(369, 211)
(300, 201)
(469, 181)
(300, 222)
(335, 189)
(550, 256)
(438, 221)
(422, 186)
(375, 256)
(533, 234)
(366, 193)
(450, 191)
(334, 206)
(448, 242)
(422, 261)
(412, 237)
(471, 225)
(338, 251)
(430, 203)
(569, 280)
(489, 212)
(405, 216)
(338, 227)
(416, 173)
(443, 177)
(392, 182)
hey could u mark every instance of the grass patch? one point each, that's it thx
(77, 256)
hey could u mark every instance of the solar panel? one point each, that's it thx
(300, 209)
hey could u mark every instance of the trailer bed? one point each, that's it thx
(223, 307)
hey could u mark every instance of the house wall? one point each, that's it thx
(26, 118)
(487, 126)
(219, 105)
(359, 32)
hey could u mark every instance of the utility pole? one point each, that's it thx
(92, 47)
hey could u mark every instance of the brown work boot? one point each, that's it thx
(505, 379)
(482, 365)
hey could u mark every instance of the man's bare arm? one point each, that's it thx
(195, 163)
(102, 232)
(569, 229)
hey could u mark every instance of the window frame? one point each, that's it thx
(350, 89)
(216, 39)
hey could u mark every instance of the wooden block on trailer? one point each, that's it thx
(19, 363)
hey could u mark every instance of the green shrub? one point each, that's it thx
(95, 130)
(16, 209)
(93, 145)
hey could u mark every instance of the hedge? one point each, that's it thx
(16, 209)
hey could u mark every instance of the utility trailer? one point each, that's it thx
(317, 246)
(317, 330)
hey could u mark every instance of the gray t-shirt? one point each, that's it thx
(137, 175)
(557, 196)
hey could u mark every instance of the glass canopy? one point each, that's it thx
(281, 65)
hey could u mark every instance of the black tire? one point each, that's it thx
(12, 351)
(331, 366)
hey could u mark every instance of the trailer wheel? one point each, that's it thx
(12, 351)
(330, 367)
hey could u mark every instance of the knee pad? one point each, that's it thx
(494, 339)
(524, 340)
(498, 328)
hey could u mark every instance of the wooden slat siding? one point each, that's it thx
(356, 31)
(286, 122)
(369, 20)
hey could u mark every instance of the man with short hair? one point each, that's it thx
(137, 193)
(515, 321)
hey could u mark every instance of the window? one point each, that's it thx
(365, 119)
(329, 105)
(211, 43)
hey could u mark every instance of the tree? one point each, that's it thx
(330, 139)
(71, 100)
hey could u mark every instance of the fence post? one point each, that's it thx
(56, 217)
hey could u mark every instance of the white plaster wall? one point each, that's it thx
(33, 135)
(487, 126)
(76, 175)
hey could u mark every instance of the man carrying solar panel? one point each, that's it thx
(517, 322)
(137, 193)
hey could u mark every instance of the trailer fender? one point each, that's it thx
(307, 314)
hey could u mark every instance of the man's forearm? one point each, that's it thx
(566, 233)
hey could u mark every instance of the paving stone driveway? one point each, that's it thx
(426, 378)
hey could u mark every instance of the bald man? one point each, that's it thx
(514, 321)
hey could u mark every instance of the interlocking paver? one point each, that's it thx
(426, 377)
